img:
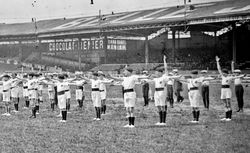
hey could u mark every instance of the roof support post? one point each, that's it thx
(105, 43)
(234, 43)
(179, 40)
(146, 51)
(79, 57)
(173, 45)
(20, 51)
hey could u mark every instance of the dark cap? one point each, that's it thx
(31, 74)
(61, 76)
(160, 69)
(95, 74)
(100, 73)
(6, 76)
(194, 72)
(225, 71)
(65, 75)
(36, 74)
(129, 69)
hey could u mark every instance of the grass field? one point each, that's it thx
(19, 134)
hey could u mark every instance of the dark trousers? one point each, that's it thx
(239, 91)
(170, 95)
(146, 99)
(178, 95)
(205, 96)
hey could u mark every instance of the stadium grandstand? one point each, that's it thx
(190, 35)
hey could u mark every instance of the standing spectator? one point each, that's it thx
(205, 89)
(145, 90)
(239, 90)
(177, 87)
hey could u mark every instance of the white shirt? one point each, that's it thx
(61, 86)
(66, 85)
(30, 84)
(40, 87)
(204, 82)
(79, 82)
(102, 87)
(160, 82)
(237, 81)
(194, 83)
(170, 81)
(7, 84)
(25, 84)
(13, 84)
(226, 80)
(95, 84)
(50, 87)
(129, 82)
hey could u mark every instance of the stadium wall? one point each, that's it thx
(107, 50)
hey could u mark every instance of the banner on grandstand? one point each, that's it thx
(84, 44)
(116, 44)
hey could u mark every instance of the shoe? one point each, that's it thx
(15, 111)
(4, 114)
(223, 119)
(68, 112)
(94, 119)
(228, 119)
(37, 113)
(158, 123)
(193, 121)
(127, 116)
(239, 110)
(98, 119)
(25, 107)
(131, 126)
(8, 114)
(127, 125)
(60, 115)
(62, 121)
(163, 124)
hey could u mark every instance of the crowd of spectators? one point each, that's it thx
(199, 58)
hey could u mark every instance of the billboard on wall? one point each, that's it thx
(75, 44)
(84, 44)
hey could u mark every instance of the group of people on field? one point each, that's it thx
(59, 91)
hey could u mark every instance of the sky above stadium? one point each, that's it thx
(13, 11)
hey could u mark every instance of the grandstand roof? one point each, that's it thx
(212, 12)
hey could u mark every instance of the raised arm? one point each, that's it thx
(165, 64)
(218, 64)
(87, 80)
(232, 66)
(240, 76)
(114, 78)
(175, 77)
(183, 80)
(107, 81)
